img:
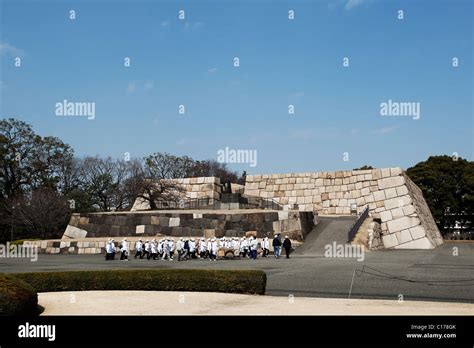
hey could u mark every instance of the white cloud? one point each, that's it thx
(192, 26)
(137, 85)
(10, 50)
(384, 130)
(148, 85)
(182, 141)
(350, 4)
(197, 25)
(297, 95)
(213, 70)
(165, 23)
(132, 86)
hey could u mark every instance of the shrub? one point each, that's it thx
(231, 281)
(17, 297)
(21, 241)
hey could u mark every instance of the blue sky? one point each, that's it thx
(282, 62)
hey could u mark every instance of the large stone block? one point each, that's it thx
(397, 213)
(74, 232)
(422, 243)
(402, 223)
(379, 195)
(390, 182)
(417, 232)
(403, 236)
(397, 202)
(390, 241)
(390, 193)
(385, 216)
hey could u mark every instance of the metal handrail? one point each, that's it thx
(356, 225)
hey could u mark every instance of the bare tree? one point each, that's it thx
(43, 212)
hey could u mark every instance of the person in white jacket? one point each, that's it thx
(109, 252)
(138, 249)
(124, 250)
(166, 251)
(214, 248)
(147, 249)
(154, 249)
(192, 248)
(265, 247)
(202, 248)
(172, 246)
(159, 248)
(209, 247)
(244, 247)
(179, 248)
(253, 247)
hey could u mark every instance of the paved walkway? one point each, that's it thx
(197, 303)
(429, 275)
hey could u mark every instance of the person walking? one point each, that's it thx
(253, 247)
(202, 248)
(185, 255)
(154, 250)
(192, 249)
(179, 248)
(147, 251)
(214, 249)
(172, 246)
(138, 248)
(265, 247)
(124, 250)
(287, 246)
(276, 246)
(166, 251)
(108, 250)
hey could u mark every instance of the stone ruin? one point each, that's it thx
(401, 215)
(392, 198)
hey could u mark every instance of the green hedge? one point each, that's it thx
(232, 281)
(17, 297)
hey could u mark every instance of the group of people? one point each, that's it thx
(191, 248)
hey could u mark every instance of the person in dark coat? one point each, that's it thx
(287, 246)
(276, 246)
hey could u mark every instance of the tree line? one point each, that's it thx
(42, 182)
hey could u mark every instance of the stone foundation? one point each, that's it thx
(178, 223)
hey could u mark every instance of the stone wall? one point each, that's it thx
(201, 187)
(390, 195)
(180, 223)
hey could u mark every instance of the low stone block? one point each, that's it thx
(390, 241)
(174, 222)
